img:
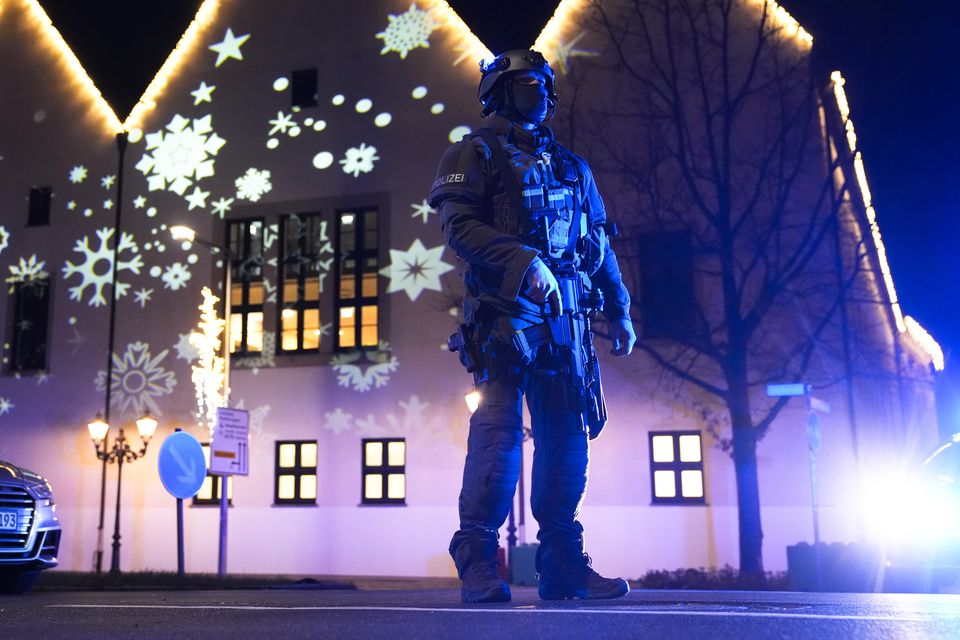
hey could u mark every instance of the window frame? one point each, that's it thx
(239, 277)
(297, 471)
(676, 466)
(384, 470)
(216, 482)
(359, 254)
(15, 326)
(300, 305)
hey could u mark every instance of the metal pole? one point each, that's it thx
(228, 283)
(179, 536)
(118, 208)
(812, 454)
(521, 500)
(115, 559)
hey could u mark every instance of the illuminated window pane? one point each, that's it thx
(308, 454)
(256, 292)
(373, 454)
(311, 290)
(691, 484)
(369, 285)
(348, 336)
(396, 486)
(290, 291)
(396, 453)
(236, 293)
(373, 486)
(662, 448)
(288, 455)
(664, 484)
(308, 487)
(311, 328)
(254, 331)
(236, 332)
(288, 329)
(285, 487)
(348, 287)
(206, 489)
(229, 487)
(689, 448)
(368, 325)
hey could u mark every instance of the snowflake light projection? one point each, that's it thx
(142, 296)
(359, 159)
(266, 357)
(175, 276)
(208, 374)
(27, 270)
(78, 174)
(97, 268)
(338, 421)
(407, 31)
(138, 380)
(5, 406)
(361, 370)
(423, 210)
(221, 206)
(253, 184)
(185, 348)
(415, 269)
(180, 155)
(4, 238)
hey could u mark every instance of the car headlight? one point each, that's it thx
(43, 493)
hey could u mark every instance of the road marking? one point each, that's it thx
(642, 612)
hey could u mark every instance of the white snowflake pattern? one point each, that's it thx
(338, 421)
(423, 209)
(281, 123)
(416, 417)
(415, 269)
(221, 206)
(407, 31)
(4, 238)
(175, 276)
(257, 418)
(142, 296)
(253, 184)
(266, 357)
(78, 174)
(97, 268)
(5, 406)
(27, 270)
(369, 427)
(359, 159)
(185, 347)
(107, 181)
(361, 370)
(180, 155)
(138, 380)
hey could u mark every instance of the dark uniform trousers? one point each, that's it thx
(492, 467)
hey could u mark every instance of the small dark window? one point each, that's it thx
(384, 471)
(295, 475)
(667, 301)
(39, 213)
(357, 266)
(209, 493)
(246, 290)
(305, 257)
(30, 325)
(676, 467)
(303, 92)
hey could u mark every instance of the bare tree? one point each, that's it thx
(704, 121)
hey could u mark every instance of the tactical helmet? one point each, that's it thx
(492, 71)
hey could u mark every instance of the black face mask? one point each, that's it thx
(527, 102)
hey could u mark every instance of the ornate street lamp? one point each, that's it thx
(119, 452)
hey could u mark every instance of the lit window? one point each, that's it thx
(246, 290)
(676, 467)
(209, 493)
(305, 257)
(358, 264)
(296, 472)
(384, 471)
(30, 302)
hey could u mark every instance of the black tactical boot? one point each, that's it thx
(476, 562)
(564, 578)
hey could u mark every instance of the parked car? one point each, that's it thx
(29, 528)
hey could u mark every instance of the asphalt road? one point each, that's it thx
(275, 614)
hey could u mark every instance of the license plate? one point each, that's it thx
(8, 520)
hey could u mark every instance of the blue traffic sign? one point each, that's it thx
(182, 465)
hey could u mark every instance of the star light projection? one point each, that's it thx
(229, 47)
(416, 269)
(407, 31)
(138, 380)
(4, 238)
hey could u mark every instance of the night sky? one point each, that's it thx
(900, 60)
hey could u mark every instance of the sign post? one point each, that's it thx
(182, 471)
(229, 456)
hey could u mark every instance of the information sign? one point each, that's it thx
(230, 448)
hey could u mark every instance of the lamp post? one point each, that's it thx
(120, 452)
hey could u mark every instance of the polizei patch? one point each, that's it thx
(450, 178)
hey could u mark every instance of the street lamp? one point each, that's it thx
(119, 452)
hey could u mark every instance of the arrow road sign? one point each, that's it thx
(182, 466)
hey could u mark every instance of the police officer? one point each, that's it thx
(525, 215)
